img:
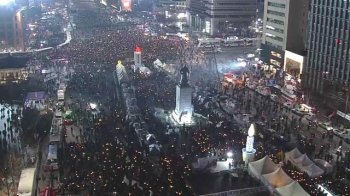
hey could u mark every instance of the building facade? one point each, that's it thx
(13, 27)
(327, 69)
(285, 29)
(13, 69)
(217, 17)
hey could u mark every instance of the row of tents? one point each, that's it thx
(273, 176)
(313, 169)
(133, 114)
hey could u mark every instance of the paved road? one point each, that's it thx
(318, 141)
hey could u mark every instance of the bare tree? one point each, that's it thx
(11, 171)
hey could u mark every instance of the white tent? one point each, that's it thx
(262, 166)
(327, 167)
(293, 189)
(278, 178)
(292, 155)
(303, 161)
(312, 171)
(158, 63)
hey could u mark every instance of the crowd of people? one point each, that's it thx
(109, 158)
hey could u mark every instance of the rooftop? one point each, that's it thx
(11, 62)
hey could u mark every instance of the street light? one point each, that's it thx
(161, 29)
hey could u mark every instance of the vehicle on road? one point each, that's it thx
(340, 133)
(208, 43)
(52, 161)
(326, 126)
(205, 50)
(68, 119)
(233, 42)
(298, 112)
(311, 117)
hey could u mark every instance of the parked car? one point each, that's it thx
(340, 133)
(310, 117)
(298, 112)
(326, 126)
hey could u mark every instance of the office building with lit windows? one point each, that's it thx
(12, 28)
(218, 17)
(284, 36)
(327, 69)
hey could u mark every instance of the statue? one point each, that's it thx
(184, 76)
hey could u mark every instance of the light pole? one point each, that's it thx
(161, 29)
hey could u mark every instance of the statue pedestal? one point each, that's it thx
(184, 109)
(248, 156)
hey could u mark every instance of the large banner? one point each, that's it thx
(126, 5)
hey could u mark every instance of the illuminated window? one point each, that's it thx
(276, 54)
(274, 62)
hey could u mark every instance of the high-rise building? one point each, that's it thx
(283, 46)
(217, 17)
(12, 28)
(327, 69)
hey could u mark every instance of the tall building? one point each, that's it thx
(328, 58)
(217, 17)
(12, 28)
(284, 36)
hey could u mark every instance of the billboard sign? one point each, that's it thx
(126, 5)
(271, 82)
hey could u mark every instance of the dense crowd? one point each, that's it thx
(108, 158)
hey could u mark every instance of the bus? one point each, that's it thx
(210, 50)
(26, 182)
(52, 161)
(231, 42)
(68, 117)
(55, 131)
(60, 92)
(209, 43)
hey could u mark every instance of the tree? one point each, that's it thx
(11, 171)
(28, 123)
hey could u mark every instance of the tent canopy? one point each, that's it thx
(262, 166)
(292, 155)
(278, 178)
(323, 163)
(293, 189)
(312, 171)
(151, 139)
(157, 62)
(303, 160)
